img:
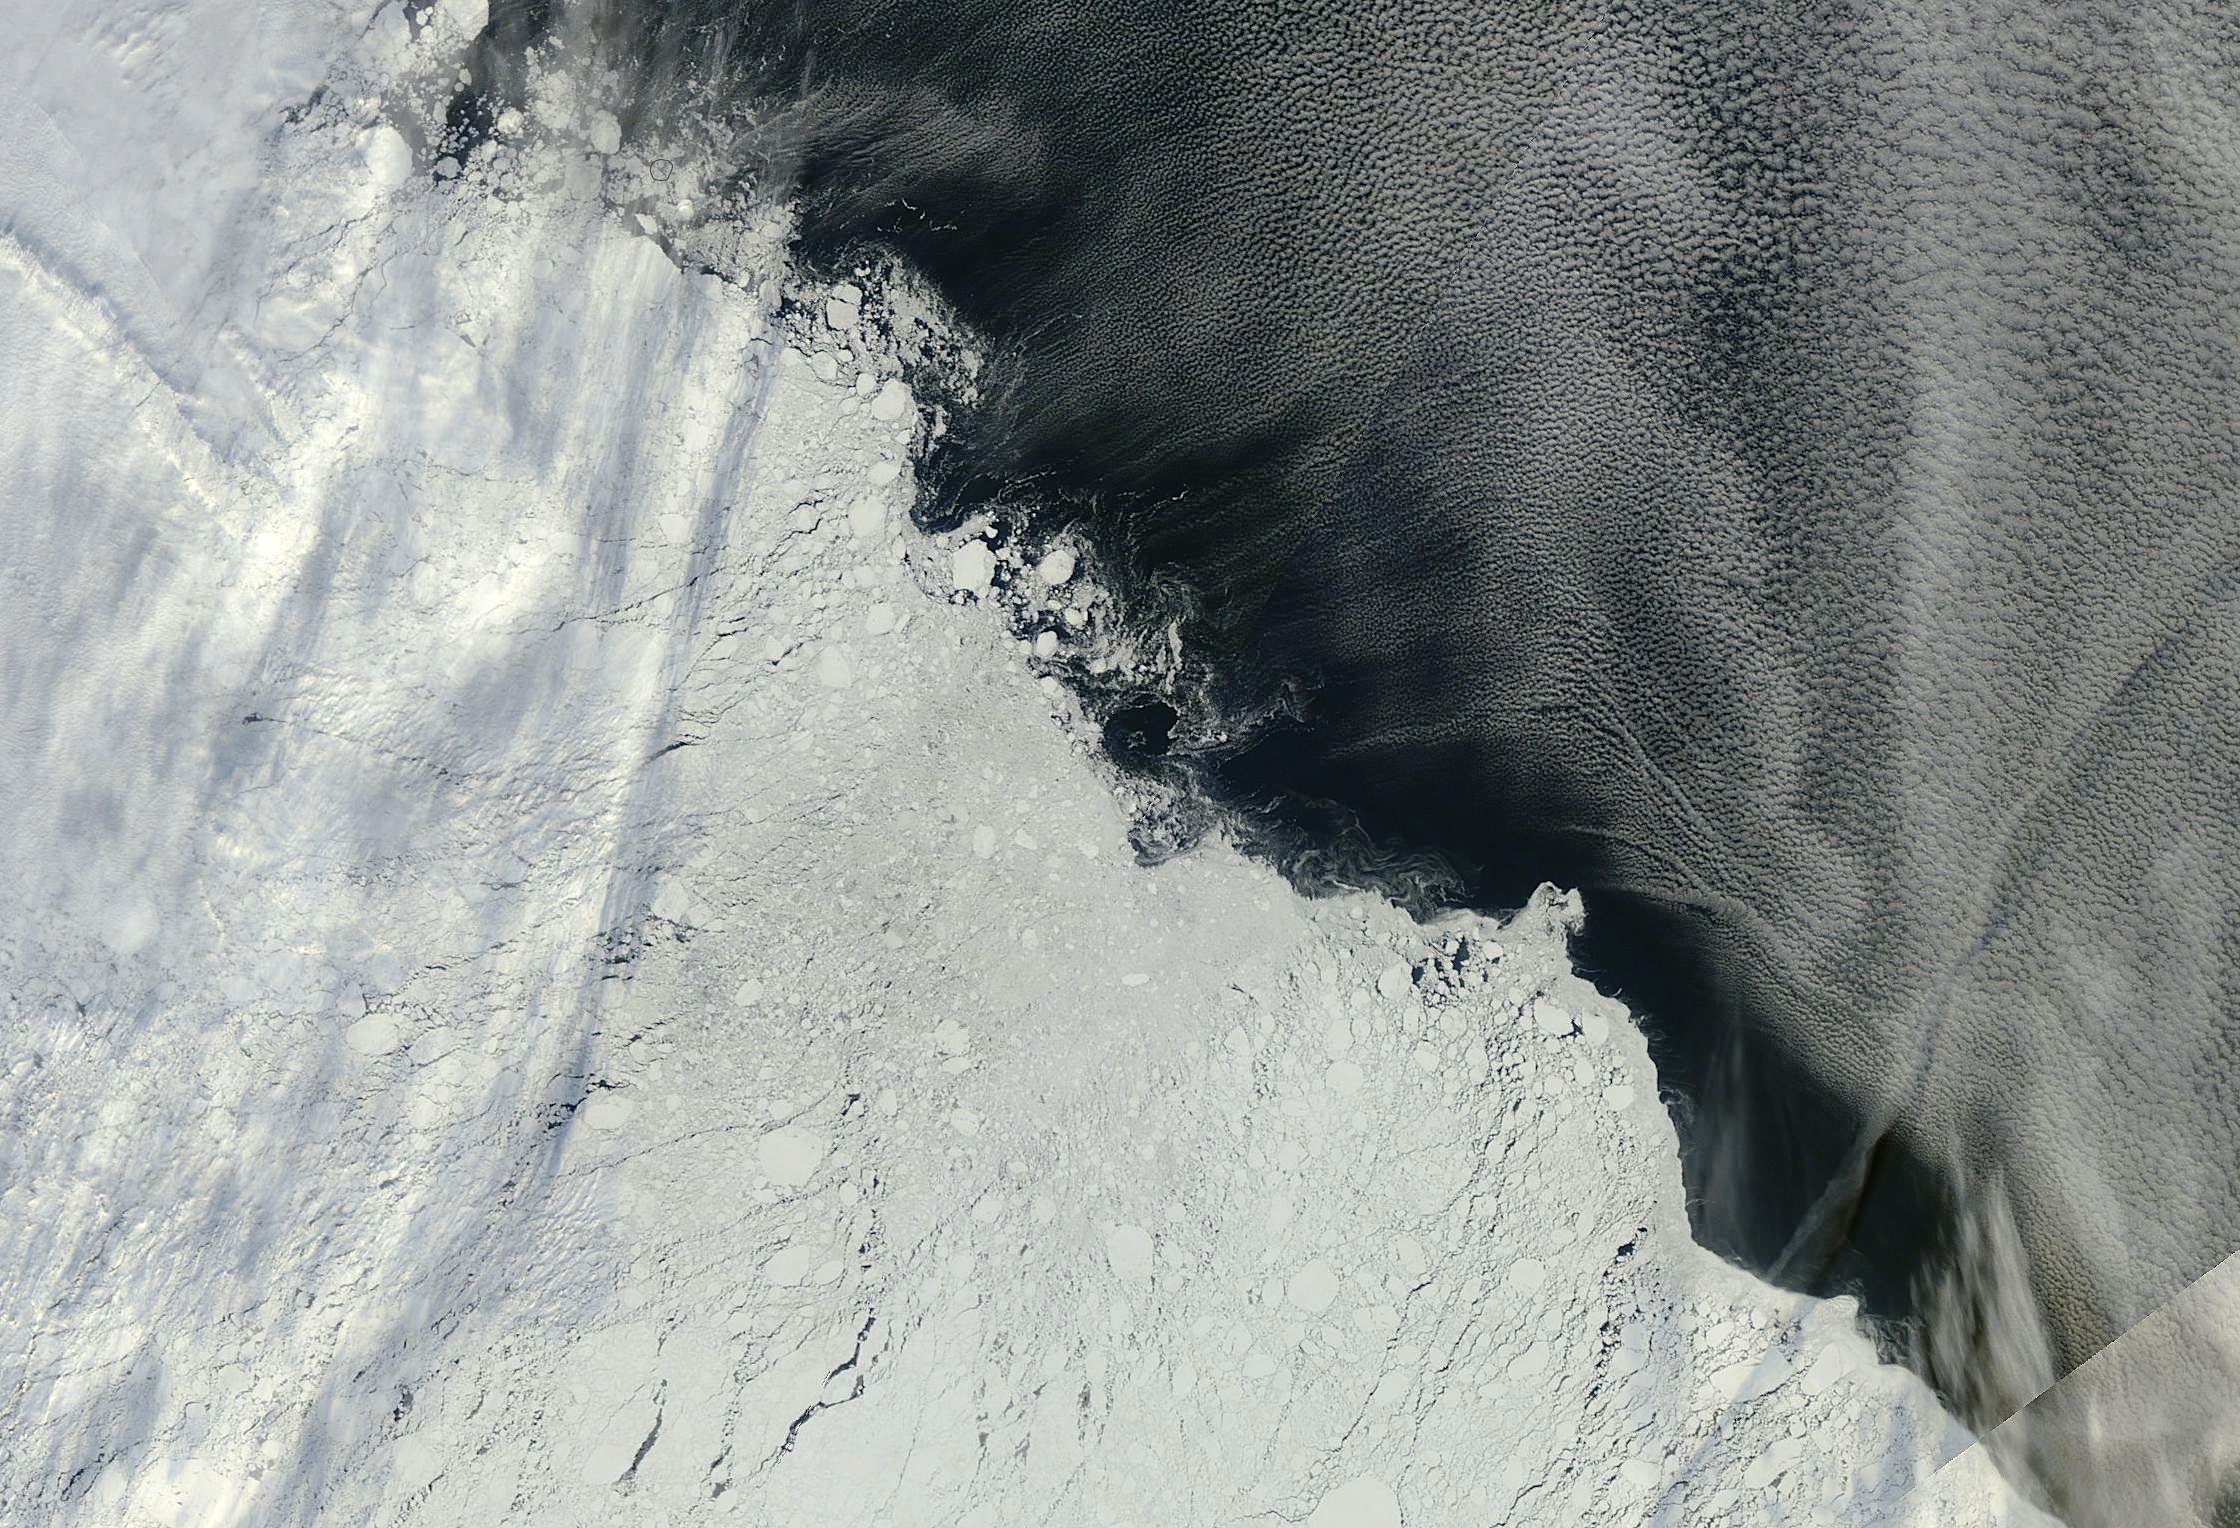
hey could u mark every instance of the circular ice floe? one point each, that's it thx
(1129, 1249)
(374, 1035)
(1363, 1502)
(607, 1112)
(1313, 1287)
(893, 401)
(1056, 567)
(788, 1155)
(972, 568)
(388, 157)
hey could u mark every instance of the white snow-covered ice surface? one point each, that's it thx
(558, 969)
